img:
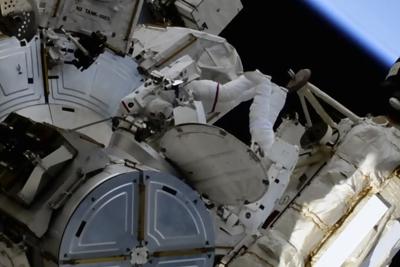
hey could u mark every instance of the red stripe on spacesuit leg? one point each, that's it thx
(215, 99)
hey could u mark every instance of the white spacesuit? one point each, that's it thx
(269, 99)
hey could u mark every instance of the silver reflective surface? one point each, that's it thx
(104, 224)
(139, 209)
(176, 217)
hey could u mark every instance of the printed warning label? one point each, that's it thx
(92, 13)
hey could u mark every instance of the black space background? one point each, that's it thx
(273, 36)
(276, 35)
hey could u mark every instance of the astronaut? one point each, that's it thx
(154, 101)
(269, 99)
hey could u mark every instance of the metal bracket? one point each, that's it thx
(309, 92)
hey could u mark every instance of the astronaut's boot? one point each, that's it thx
(299, 80)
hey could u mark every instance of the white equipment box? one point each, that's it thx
(208, 15)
